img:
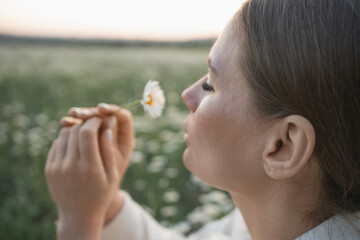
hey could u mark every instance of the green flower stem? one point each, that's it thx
(128, 105)
(131, 104)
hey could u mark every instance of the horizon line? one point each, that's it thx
(109, 39)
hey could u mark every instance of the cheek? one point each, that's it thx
(208, 142)
(222, 150)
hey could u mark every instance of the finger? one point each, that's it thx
(72, 152)
(88, 141)
(106, 109)
(83, 113)
(62, 143)
(125, 128)
(110, 121)
(51, 155)
(73, 112)
(107, 145)
(125, 138)
(69, 121)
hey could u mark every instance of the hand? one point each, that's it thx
(126, 141)
(82, 179)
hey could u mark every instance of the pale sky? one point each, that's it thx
(129, 19)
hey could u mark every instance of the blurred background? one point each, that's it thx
(59, 54)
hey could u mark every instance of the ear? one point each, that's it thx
(289, 148)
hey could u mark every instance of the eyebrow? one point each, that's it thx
(211, 66)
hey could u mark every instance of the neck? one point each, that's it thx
(279, 212)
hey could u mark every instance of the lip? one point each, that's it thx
(186, 137)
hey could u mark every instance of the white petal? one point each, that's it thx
(158, 99)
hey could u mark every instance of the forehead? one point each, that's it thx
(223, 54)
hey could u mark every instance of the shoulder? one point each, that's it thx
(336, 227)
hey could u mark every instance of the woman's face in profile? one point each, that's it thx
(223, 134)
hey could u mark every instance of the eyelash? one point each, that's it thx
(207, 87)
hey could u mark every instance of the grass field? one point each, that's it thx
(39, 83)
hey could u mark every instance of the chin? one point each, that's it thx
(186, 159)
(190, 162)
(192, 165)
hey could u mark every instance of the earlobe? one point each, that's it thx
(289, 148)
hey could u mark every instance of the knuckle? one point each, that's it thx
(75, 128)
(73, 111)
(64, 131)
(67, 168)
(51, 171)
(116, 174)
(86, 132)
(126, 113)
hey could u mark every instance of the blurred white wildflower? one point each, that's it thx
(137, 157)
(171, 172)
(204, 214)
(157, 164)
(142, 125)
(163, 183)
(167, 135)
(21, 121)
(214, 196)
(175, 116)
(139, 143)
(211, 210)
(3, 138)
(12, 109)
(3, 126)
(34, 135)
(51, 130)
(165, 223)
(171, 196)
(152, 146)
(41, 119)
(139, 184)
(182, 227)
(227, 206)
(18, 137)
(153, 99)
(171, 146)
(197, 216)
(168, 211)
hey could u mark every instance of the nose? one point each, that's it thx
(192, 95)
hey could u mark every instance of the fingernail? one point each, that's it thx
(108, 107)
(105, 106)
(83, 113)
(67, 119)
(73, 110)
(109, 135)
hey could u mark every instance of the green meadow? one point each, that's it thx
(39, 82)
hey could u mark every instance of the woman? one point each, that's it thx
(275, 122)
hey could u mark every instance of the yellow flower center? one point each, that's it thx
(150, 102)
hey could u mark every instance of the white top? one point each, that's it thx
(134, 223)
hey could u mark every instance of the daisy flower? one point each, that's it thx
(153, 100)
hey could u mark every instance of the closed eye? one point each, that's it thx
(207, 87)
